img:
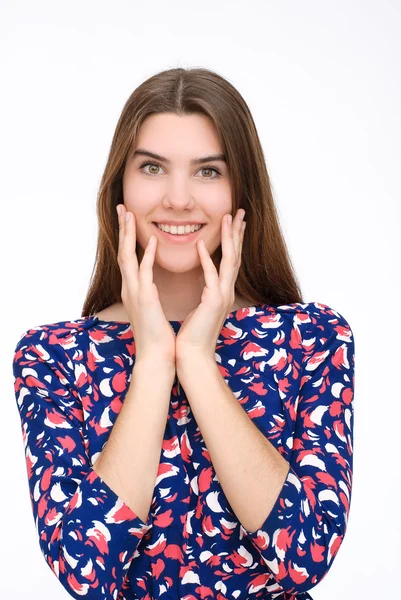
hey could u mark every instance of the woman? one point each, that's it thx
(191, 435)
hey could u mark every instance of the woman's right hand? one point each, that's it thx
(153, 334)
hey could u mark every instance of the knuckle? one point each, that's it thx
(121, 259)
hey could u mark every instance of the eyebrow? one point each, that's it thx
(194, 161)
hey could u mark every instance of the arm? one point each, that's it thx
(295, 513)
(132, 452)
(249, 468)
(88, 532)
(303, 532)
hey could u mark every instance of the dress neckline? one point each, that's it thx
(230, 315)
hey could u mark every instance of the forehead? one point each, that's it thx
(178, 136)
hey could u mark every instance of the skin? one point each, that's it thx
(176, 191)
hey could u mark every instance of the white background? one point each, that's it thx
(322, 80)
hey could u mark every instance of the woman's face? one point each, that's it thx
(171, 188)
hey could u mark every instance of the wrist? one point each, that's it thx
(194, 365)
(161, 368)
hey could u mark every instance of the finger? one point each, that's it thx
(209, 270)
(147, 262)
(241, 242)
(229, 254)
(130, 234)
(121, 219)
(237, 230)
(129, 242)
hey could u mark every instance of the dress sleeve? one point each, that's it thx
(303, 532)
(87, 534)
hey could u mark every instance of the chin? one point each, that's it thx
(179, 267)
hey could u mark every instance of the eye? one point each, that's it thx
(210, 169)
(150, 164)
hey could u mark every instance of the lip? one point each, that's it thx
(177, 239)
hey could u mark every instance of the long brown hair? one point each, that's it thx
(266, 275)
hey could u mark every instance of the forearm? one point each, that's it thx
(130, 459)
(250, 469)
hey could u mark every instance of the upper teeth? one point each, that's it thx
(181, 229)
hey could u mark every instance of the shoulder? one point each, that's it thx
(296, 320)
(314, 327)
(314, 316)
(326, 338)
(52, 338)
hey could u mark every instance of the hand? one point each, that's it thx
(154, 336)
(202, 326)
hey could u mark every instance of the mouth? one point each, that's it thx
(177, 238)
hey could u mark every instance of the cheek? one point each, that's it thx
(136, 192)
(218, 200)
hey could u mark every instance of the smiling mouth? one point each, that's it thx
(178, 237)
(197, 225)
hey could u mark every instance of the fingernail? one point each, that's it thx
(230, 219)
(118, 207)
(127, 216)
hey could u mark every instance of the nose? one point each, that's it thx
(178, 194)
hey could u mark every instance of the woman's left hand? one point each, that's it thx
(199, 331)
